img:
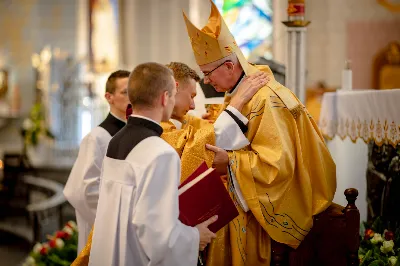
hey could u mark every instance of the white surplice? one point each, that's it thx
(82, 187)
(228, 135)
(137, 217)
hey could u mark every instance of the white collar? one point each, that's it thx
(117, 117)
(237, 86)
(176, 123)
(144, 117)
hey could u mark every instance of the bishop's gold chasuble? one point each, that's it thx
(285, 176)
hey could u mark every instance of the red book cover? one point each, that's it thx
(201, 169)
(203, 197)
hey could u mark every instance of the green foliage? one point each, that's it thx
(379, 247)
(34, 127)
(60, 250)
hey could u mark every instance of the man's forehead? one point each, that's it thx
(122, 82)
(207, 67)
(193, 86)
(190, 83)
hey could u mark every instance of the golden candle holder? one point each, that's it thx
(296, 12)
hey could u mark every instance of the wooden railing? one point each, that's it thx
(39, 211)
(52, 205)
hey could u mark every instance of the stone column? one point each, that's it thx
(296, 61)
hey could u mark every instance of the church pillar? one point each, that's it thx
(296, 62)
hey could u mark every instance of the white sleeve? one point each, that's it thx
(228, 134)
(163, 237)
(82, 188)
(238, 114)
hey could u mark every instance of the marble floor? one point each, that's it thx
(13, 249)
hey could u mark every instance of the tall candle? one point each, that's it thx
(296, 10)
(347, 77)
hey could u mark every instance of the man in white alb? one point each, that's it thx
(82, 188)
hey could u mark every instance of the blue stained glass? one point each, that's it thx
(250, 21)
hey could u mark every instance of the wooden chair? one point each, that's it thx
(333, 241)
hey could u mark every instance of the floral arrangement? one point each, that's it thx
(59, 250)
(379, 246)
(34, 127)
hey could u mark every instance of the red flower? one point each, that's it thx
(52, 243)
(368, 234)
(43, 251)
(62, 235)
(389, 235)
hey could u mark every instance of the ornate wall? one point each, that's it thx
(340, 29)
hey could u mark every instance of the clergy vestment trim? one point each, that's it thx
(242, 126)
(112, 124)
(136, 130)
(147, 123)
(117, 117)
(146, 118)
(237, 83)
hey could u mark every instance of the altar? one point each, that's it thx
(352, 120)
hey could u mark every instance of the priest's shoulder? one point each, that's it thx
(153, 148)
(155, 145)
(99, 135)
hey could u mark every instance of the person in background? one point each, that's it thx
(82, 187)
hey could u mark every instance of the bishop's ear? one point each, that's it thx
(230, 65)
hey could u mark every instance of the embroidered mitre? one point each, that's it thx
(214, 41)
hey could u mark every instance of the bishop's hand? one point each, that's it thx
(247, 88)
(221, 159)
(205, 234)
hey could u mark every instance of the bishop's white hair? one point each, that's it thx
(232, 57)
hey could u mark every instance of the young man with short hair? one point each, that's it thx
(82, 188)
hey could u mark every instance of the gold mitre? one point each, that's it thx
(214, 41)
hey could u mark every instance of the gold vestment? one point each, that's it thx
(286, 176)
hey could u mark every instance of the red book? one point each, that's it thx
(202, 168)
(204, 196)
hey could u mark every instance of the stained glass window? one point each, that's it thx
(250, 21)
